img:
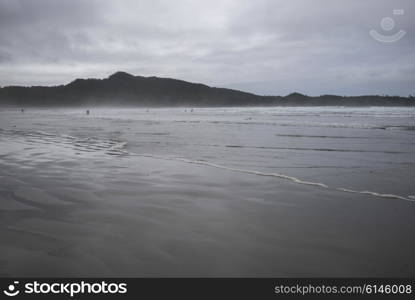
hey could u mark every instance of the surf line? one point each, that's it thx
(205, 163)
(293, 179)
(276, 175)
(375, 194)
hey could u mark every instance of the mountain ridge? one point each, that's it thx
(125, 89)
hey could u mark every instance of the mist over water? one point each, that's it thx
(286, 191)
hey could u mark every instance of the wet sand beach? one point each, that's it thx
(221, 192)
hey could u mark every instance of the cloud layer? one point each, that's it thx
(265, 46)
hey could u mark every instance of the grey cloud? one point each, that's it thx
(264, 46)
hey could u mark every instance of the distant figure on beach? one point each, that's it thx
(22, 110)
(87, 111)
(191, 110)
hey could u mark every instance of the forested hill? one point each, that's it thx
(125, 89)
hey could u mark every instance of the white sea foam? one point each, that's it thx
(376, 194)
(277, 175)
(206, 163)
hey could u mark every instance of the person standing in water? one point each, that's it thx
(87, 111)
(22, 110)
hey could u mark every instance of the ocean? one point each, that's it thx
(249, 191)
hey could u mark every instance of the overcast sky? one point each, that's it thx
(262, 46)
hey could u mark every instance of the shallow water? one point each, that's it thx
(310, 191)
